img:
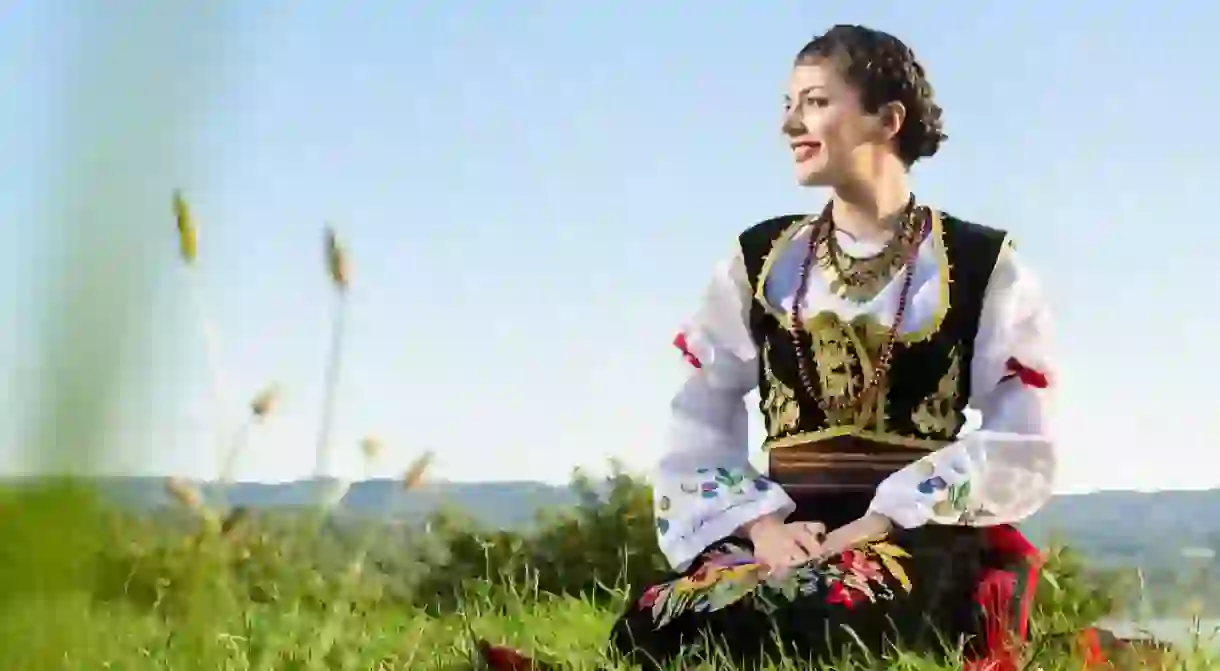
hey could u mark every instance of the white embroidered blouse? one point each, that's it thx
(1009, 462)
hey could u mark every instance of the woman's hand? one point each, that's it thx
(872, 525)
(781, 545)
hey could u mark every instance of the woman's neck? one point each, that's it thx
(870, 210)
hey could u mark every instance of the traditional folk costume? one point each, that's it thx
(865, 359)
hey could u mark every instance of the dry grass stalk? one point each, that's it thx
(415, 473)
(411, 479)
(339, 268)
(261, 406)
(333, 492)
(188, 249)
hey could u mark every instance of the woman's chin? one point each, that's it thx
(807, 177)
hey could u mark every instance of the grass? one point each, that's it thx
(117, 636)
(223, 631)
(266, 593)
(215, 590)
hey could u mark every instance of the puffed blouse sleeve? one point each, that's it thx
(1004, 471)
(704, 487)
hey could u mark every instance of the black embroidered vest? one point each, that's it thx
(922, 401)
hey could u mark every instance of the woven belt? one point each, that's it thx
(840, 464)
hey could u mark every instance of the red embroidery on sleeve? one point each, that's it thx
(680, 343)
(1028, 376)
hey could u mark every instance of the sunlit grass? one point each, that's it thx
(569, 632)
(208, 586)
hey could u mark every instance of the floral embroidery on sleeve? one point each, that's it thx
(953, 503)
(716, 482)
(724, 484)
(663, 506)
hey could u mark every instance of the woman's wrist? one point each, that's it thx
(907, 514)
(879, 521)
(770, 520)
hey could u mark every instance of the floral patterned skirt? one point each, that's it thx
(924, 590)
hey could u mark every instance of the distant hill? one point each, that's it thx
(1113, 526)
(497, 504)
(1124, 526)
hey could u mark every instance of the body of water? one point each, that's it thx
(1179, 631)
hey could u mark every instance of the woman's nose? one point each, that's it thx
(792, 125)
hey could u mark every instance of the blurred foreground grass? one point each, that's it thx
(190, 588)
(203, 586)
(84, 585)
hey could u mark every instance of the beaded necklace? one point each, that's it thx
(914, 218)
(861, 279)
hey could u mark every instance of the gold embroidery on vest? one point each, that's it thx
(868, 337)
(783, 412)
(843, 355)
(937, 413)
(836, 363)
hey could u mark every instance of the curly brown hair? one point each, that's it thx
(883, 70)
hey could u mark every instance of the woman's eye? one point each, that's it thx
(817, 101)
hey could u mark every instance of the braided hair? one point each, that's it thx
(883, 70)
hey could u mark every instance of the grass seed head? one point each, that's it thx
(337, 261)
(188, 233)
(370, 446)
(186, 494)
(265, 402)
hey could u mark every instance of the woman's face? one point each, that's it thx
(830, 134)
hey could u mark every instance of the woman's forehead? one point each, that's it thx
(809, 76)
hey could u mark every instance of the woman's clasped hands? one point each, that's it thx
(781, 545)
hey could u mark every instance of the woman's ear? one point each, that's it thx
(891, 116)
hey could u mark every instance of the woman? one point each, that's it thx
(867, 329)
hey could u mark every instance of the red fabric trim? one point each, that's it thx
(1002, 638)
(1007, 540)
(1090, 649)
(1028, 376)
(680, 343)
(994, 594)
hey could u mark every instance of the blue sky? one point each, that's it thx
(534, 198)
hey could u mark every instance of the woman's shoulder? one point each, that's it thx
(758, 238)
(772, 228)
(968, 243)
(970, 230)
